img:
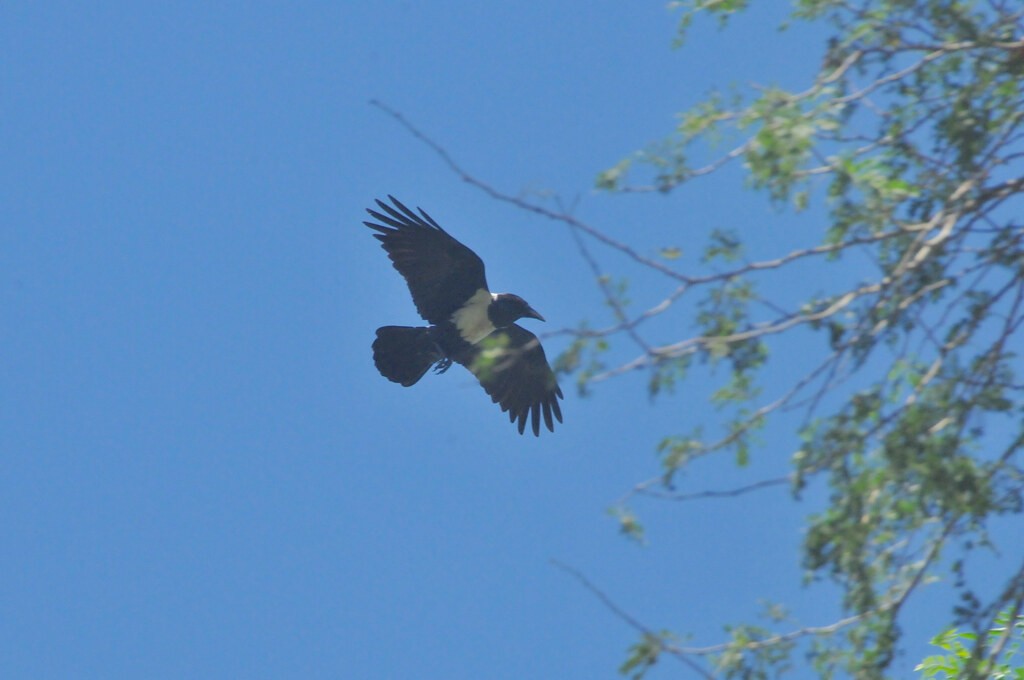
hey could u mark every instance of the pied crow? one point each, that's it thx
(469, 324)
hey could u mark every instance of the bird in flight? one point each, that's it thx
(469, 324)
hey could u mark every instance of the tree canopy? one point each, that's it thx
(911, 138)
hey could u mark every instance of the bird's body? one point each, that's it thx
(470, 325)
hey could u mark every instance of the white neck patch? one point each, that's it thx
(472, 321)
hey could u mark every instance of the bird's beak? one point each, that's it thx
(533, 314)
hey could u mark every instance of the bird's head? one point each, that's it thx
(507, 308)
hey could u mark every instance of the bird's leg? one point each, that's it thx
(444, 362)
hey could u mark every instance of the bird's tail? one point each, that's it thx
(403, 354)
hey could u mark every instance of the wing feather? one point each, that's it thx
(513, 369)
(440, 271)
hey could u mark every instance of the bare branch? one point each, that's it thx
(672, 650)
(527, 205)
(645, 489)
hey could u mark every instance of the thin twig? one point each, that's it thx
(672, 650)
(524, 204)
(726, 493)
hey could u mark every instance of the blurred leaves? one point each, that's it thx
(960, 660)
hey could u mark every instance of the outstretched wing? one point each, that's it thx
(442, 274)
(511, 366)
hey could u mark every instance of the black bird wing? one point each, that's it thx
(442, 274)
(511, 365)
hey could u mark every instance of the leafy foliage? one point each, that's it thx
(1006, 661)
(911, 139)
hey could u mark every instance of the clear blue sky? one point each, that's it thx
(203, 474)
